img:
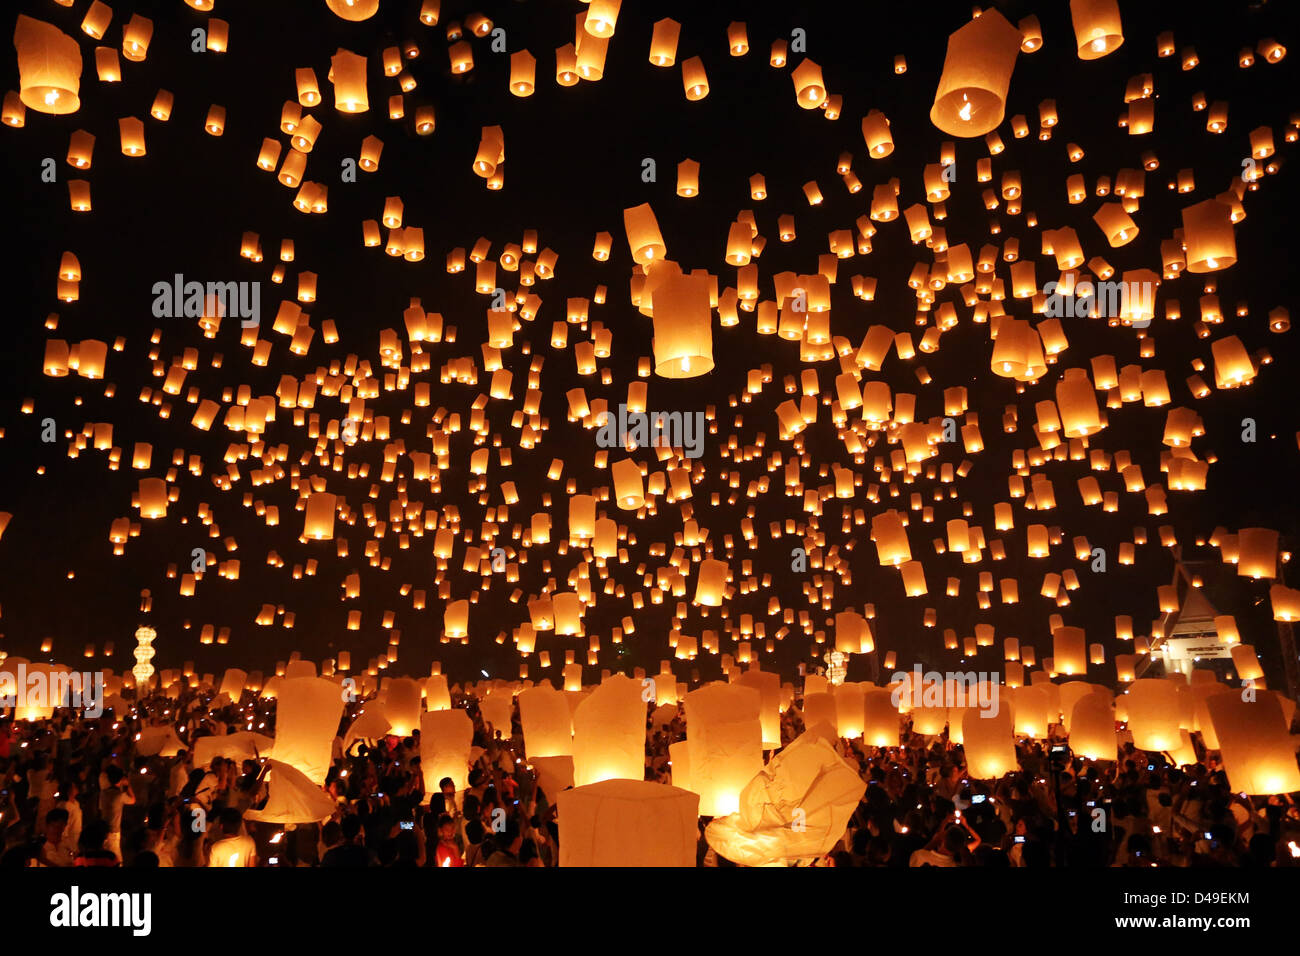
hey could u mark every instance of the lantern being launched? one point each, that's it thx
(307, 720)
(1258, 753)
(627, 823)
(609, 733)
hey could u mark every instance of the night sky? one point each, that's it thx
(573, 162)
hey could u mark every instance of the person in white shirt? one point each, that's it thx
(70, 803)
(235, 848)
(111, 802)
(180, 774)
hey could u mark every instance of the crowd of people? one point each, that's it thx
(78, 792)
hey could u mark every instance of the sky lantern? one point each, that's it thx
(402, 706)
(809, 87)
(1258, 753)
(726, 745)
(523, 73)
(793, 809)
(445, 740)
(602, 17)
(643, 236)
(49, 67)
(1153, 714)
(683, 335)
(663, 42)
(634, 823)
(694, 80)
(348, 75)
(354, 10)
(609, 733)
(1208, 236)
(1092, 727)
(972, 93)
(876, 133)
(1069, 650)
(988, 743)
(307, 717)
(547, 722)
(1097, 28)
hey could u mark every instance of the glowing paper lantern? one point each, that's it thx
(547, 722)
(319, 522)
(402, 706)
(1033, 711)
(49, 67)
(972, 93)
(1092, 727)
(1069, 650)
(880, 726)
(293, 797)
(796, 808)
(497, 710)
(988, 742)
(437, 696)
(354, 10)
(1207, 233)
(643, 235)
(307, 716)
(455, 620)
(609, 733)
(725, 744)
(1097, 29)
(768, 685)
(627, 823)
(232, 683)
(1246, 662)
(1258, 753)
(445, 740)
(683, 334)
(1153, 714)
(711, 585)
(1257, 553)
(348, 74)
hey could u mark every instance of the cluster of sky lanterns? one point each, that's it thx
(376, 429)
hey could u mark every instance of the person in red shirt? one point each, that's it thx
(447, 853)
(91, 851)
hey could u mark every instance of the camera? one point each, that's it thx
(1019, 839)
(978, 798)
(407, 824)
